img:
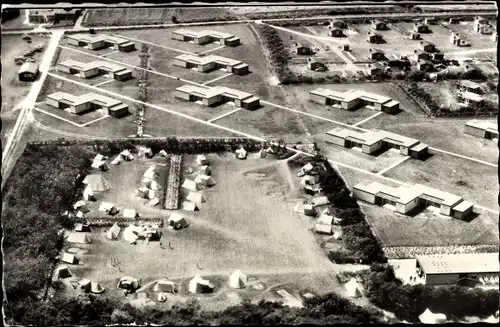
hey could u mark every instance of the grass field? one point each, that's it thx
(394, 229)
(354, 177)
(462, 177)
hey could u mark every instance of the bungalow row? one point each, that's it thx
(410, 197)
(423, 55)
(481, 128)
(45, 16)
(206, 36)
(216, 95)
(354, 99)
(211, 62)
(87, 102)
(482, 26)
(100, 41)
(95, 68)
(377, 140)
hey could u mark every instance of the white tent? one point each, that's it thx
(238, 279)
(130, 234)
(68, 258)
(270, 150)
(150, 173)
(177, 221)
(307, 180)
(241, 153)
(189, 170)
(205, 170)
(78, 238)
(88, 195)
(127, 155)
(162, 297)
(262, 154)
(128, 283)
(320, 201)
(78, 204)
(153, 202)
(165, 285)
(63, 272)
(106, 206)
(113, 232)
(428, 317)
(305, 209)
(323, 229)
(307, 168)
(200, 285)
(96, 288)
(117, 160)
(143, 192)
(85, 284)
(145, 152)
(190, 185)
(151, 194)
(163, 153)
(97, 164)
(80, 214)
(81, 227)
(96, 182)
(189, 206)
(100, 157)
(153, 185)
(201, 160)
(325, 219)
(129, 213)
(196, 197)
(205, 180)
(352, 288)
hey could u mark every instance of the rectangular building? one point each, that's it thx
(45, 16)
(448, 269)
(377, 140)
(421, 28)
(469, 86)
(427, 46)
(481, 128)
(100, 41)
(95, 68)
(211, 96)
(376, 54)
(379, 25)
(409, 197)
(354, 99)
(374, 38)
(206, 36)
(471, 99)
(211, 62)
(86, 102)
(28, 72)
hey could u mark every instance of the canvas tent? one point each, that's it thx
(428, 317)
(205, 180)
(130, 234)
(189, 206)
(320, 201)
(88, 195)
(337, 232)
(127, 155)
(238, 279)
(96, 182)
(153, 202)
(241, 153)
(177, 221)
(143, 192)
(189, 170)
(270, 150)
(307, 180)
(113, 232)
(109, 208)
(68, 258)
(82, 227)
(96, 288)
(117, 160)
(352, 288)
(162, 297)
(80, 214)
(151, 194)
(145, 152)
(200, 285)
(190, 185)
(163, 153)
(325, 219)
(196, 197)
(165, 285)
(63, 272)
(153, 185)
(201, 160)
(205, 170)
(305, 169)
(129, 213)
(78, 238)
(305, 209)
(100, 157)
(150, 173)
(85, 284)
(128, 283)
(323, 229)
(97, 164)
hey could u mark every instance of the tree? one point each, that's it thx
(175, 20)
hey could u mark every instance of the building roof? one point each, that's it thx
(490, 126)
(373, 136)
(470, 84)
(28, 67)
(351, 95)
(377, 51)
(463, 206)
(208, 59)
(472, 96)
(93, 38)
(85, 66)
(426, 43)
(409, 192)
(378, 21)
(460, 263)
(81, 99)
(210, 92)
(47, 12)
(424, 62)
(203, 33)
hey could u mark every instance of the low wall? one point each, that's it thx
(122, 222)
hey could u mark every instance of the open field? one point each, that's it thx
(446, 134)
(474, 182)
(354, 177)
(426, 229)
(18, 22)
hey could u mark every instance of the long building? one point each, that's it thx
(207, 63)
(409, 197)
(44, 16)
(216, 95)
(87, 102)
(95, 68)
(100, 41)
(378, 140)
(205, 36)
(481, 128)
(353, 99)
(450, 268)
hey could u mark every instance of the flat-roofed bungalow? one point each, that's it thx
(216, 95)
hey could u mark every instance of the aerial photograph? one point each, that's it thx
(250, 163)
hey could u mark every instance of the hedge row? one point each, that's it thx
(122, 222)
(173, 183)
(405, 252)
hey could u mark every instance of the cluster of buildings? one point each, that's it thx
(409, 197)
(482, 26)
(471, 93)
(95, 68)
(353, 99)
(87, 102)
(211, 96)
(206, 36)
(336, 28)
(211, 62)
(48, 16)
(374, 141)
(426, 55)
(100, 41)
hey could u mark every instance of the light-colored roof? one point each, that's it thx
(408, 192)
(89, 97)
(428, 317)
(460, 263)
(214, 91)
(208, 59)
(93, 38)
(323, 228)
(472, 96)
(373, 136)
(484, 124)
(470, 84)
(351, 95)
(463, 206)
(28, 67)
(203, 33)
(85, 66)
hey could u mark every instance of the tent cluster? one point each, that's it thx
(309, 182)
(204, 179)
(79, 238)
(89, 286)
(241, 153)
(352, 288)
(200, 285)
(326, 224)
(128, 284)
(429, 317)
(99, 162)
(109, 208)
(149, 232)
(177, 221)
(150, 186)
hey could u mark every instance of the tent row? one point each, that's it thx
(132, 233)
(63, 271)
(199, 285)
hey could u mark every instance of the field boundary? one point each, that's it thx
(173, 183)
(102, 222)
(405, 252)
